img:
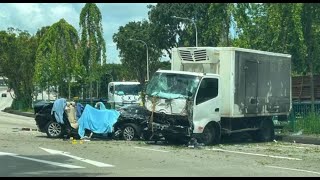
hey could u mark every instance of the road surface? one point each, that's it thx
(30, 153)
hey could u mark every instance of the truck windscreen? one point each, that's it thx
(127, 89)
(171, 86)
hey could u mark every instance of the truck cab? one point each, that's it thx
(183, 103)
(123, 93)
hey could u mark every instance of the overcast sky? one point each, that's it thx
(32, 16)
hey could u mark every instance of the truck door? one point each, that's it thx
(207, 104)
(251, 86)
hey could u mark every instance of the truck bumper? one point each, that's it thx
(170, 130)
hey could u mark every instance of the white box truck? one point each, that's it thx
(211, 91)
(123, 93)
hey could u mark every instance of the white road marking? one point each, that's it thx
(7, 154)
(238, 152)
(41, 161)
(301, 170)
(95, 163)
(151, 149)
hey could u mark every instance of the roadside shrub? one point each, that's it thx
(310, 124)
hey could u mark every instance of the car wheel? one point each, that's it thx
(54, 129)
(130, 131)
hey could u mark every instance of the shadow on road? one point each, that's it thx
(16, 167)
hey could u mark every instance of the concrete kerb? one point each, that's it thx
(304, 139)
(16, 112)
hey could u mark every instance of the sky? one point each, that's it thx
(33, 16)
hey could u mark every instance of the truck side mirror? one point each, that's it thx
(111, 90)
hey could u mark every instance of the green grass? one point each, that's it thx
(309, 124)
(29, 110)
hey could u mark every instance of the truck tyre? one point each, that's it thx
(210, 135)
(130, 131)
(54, 129)
(266, 131)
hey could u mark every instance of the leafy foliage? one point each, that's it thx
(56, 61)
(213, 21)
(133, 52)
(93, 47)
(17, 59)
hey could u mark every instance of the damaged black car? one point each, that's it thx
(132, 123)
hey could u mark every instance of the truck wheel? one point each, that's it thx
(266, 131)
(210, 135)
(54, 129)
(130, 131)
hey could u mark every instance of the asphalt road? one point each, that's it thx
(30, 153)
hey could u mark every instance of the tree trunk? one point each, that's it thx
(90, 91)
(311, 85)
(58, 91)
(48, 94)
(169, 52)
(69, 90)
(97, 89)
(42, 92)
(308, 12)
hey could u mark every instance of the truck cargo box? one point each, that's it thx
(254, 83)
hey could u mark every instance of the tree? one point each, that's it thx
(17, 57)
(40, 86)
(311, 24)
(133, 53)
(251, 26)
(56, 60)
(272, 27)
(291, 28)
(213, 22)
(93, 47)
(216, 24)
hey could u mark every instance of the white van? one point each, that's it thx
(123, 93)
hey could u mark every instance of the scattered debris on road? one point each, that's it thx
(28, 129)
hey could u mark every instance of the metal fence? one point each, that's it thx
(300, 118)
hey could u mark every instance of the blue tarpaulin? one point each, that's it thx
(100, 106)
(80, 109)
(98, 121)
(58, 109)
